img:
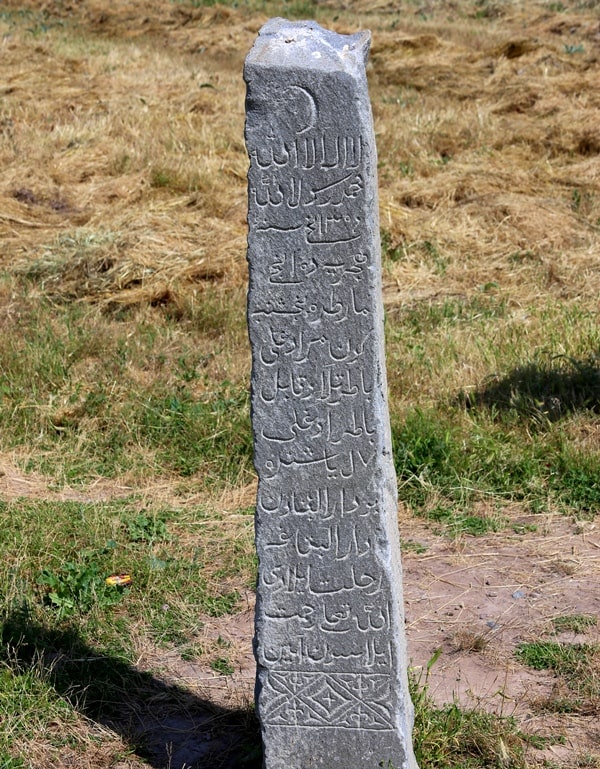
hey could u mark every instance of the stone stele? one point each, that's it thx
(331, 685)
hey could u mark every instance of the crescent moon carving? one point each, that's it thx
(300, 102)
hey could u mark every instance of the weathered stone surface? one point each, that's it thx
(331, 680)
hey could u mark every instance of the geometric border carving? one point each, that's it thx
(336, 700)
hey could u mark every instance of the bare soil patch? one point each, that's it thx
(477, 598)
(470, 600)
(124, 184)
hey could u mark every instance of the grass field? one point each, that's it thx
(125, 442)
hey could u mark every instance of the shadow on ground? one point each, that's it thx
(164, 724)
(548, 389)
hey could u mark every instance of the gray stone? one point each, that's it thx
(331, 663)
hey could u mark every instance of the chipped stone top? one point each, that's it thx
(305, 44)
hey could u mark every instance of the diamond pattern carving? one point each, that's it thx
(346, 700)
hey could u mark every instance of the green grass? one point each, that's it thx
(73, 654)
(70, 641)
(57, 557)
(427, 317)
(493, 400)
(223, 666)
(456, 521)
(452, 736)
(508, 433)
(52, 677)
(209, 434)
(28, 704)
(447, 457)
(93, 395)
(576, 623)
(578, 665)
(159, 392)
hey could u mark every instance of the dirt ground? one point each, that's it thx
(474, 599)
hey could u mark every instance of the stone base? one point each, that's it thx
(332, 748)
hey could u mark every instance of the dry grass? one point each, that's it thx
(124, 166)
(111, 164)
(487, 138)
(124, 192)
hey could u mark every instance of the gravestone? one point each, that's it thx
(331, 663)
